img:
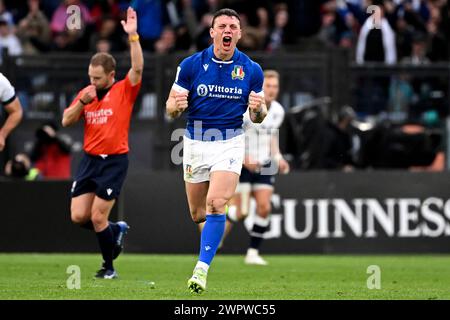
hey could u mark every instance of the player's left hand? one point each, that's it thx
(283, 165)
(130, 26)
(2, 142)
(255, 101)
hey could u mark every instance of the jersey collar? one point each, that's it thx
(213, 57)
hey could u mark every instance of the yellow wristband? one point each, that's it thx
(133, 38)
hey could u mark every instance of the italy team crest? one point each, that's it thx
(238, 73)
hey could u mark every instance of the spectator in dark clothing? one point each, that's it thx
(203, 39)
(20, 167)
(404, 35)
(109, 31)
(338, 151)
(438, 45)
(34, 30)
(104, 8)
(278, 34)
(305, 22)
(51, 153)
(166, 43)
(151, 21)
(376, 43)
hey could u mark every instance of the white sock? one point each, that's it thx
(202, 265)
(232, 213)
(262, 222)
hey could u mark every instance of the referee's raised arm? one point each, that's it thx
(137, 58)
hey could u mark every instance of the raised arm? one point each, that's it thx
(14, 110)
(137, 57)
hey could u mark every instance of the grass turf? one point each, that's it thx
(43, 276)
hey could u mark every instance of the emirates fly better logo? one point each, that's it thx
(98, 117)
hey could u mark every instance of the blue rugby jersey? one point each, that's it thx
(218, 93)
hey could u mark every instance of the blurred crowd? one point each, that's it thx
(415, 31)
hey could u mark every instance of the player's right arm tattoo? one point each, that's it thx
(258, 116)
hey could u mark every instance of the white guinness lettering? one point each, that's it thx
(361, 218)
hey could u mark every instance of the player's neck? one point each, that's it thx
(102, 92)
(110, 84)
(223, 56)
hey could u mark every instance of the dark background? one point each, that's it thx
(36, 215)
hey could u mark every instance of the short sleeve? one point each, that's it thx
(7, 92)
(278, 116)
(132, 91)
(246, 120)
(183, 77)
(257, 79)
(77, 97)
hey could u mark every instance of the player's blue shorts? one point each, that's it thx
(256, 179)
(103, 176)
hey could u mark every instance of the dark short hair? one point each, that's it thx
(105, 60)
(269, 73)
(225, 12)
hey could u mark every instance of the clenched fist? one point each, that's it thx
(181, 99)
(255, 101)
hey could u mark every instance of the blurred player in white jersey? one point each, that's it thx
(262, 161)
(12, 106)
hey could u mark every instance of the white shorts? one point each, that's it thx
(200, 158)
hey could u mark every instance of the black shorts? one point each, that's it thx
(103, 176)
(256, 178)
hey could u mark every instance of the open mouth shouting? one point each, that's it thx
(226, 42)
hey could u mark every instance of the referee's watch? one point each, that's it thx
(133, 38)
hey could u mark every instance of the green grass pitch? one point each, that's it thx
(44, 276)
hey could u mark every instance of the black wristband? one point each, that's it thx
(82, 102)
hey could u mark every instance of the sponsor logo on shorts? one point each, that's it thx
(188, 171)
(74, 184)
